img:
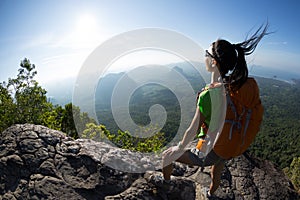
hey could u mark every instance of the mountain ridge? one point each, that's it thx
(63, 94)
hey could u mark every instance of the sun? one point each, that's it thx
(86, 22)
(86, 29)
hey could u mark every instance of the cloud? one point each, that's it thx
(277, 43)
(44, 39)
(60, 66)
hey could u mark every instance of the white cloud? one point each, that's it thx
(61, 66)
(277, 43)
(44, 39)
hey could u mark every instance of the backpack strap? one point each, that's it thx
(248, 117)
(236, 123)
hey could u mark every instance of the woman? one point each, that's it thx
(228, 66)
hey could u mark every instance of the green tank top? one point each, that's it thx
(210, 105)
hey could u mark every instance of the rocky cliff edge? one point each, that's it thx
(40, 163)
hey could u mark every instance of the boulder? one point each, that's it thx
(39, 163)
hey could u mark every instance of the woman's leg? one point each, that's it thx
(186, 158)
(167, 171)
(216, 172)
(190, 158)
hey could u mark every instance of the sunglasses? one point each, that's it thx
(207, 54)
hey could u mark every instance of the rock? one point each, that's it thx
(39, 163)
(248, 178)
(144, 188)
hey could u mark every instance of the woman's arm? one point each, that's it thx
(192, 130)
(173, 153)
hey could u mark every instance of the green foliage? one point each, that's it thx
(22, 100)
(30, 98)
(293, 172)
(51, 119)
(6, 108)
(151, 144)
(96, 132)
(124, 139)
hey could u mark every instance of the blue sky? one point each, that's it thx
(57, 36)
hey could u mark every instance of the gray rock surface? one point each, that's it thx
(40, 163)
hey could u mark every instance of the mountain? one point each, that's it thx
(269, 72)
(39, 163)
(168, 87)
(60, 92)
(105, 89)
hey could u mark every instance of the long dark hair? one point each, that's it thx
(231, 58)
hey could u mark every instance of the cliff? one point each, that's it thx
(40, 163)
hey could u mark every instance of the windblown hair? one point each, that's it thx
(231, 58)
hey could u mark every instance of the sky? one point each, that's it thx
(58, 35)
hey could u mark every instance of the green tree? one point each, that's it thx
(22, 99)
(97, 133)
(293, 172)
(154, 143)
(124, 139)
(73, 121)
(67, 124)
(53, 117)
(30, 98)
(6, 108)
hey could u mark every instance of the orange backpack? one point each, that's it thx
(244, 115)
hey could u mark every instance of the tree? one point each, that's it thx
(293, 172)
(73, 121)
(6, 108)
(30, 98)
(53, 118)
(125, 140)
(22, 99)
(97, 133)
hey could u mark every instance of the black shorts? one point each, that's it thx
(210, 159)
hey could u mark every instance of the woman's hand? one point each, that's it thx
(172, 154)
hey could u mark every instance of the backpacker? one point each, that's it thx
(242, 122)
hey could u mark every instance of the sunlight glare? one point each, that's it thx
(86, 23)
(86, 30)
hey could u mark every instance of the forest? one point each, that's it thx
(23, 100)
(279, 135)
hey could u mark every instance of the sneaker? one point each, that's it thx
(206, 193)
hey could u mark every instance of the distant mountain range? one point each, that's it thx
(148, 86)
(60, 92)
(278, 74)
